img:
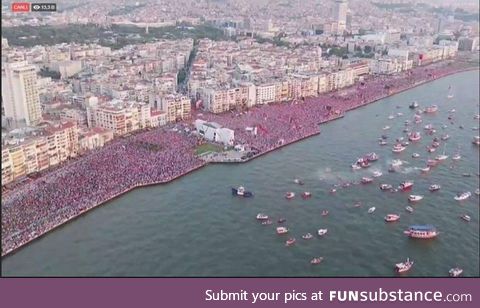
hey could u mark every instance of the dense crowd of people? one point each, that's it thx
(158, 156)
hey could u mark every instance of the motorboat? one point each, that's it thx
(455, 272)
(431, 149)
(403, 266)
(428, 127)
(476, 117)
(377, 174)
(241, 192)
(425, 169)
(396, 163)
(476, 140)
(466, 218)
(431, 109)
(432, 162)
(324, 212)
(371, 210)
(372, 156)
(358, 204)
(477, 191)
(306, 195)
(316, 261)
(281, 220)
(415, 155)
(466, 175)
(415, 198)
(333, 190)
(413, 105)
(398, 148)
(290, 241)
(366, 180)
(452, 110)
(405, 143)
(435, 144)
(267, 222)
(382, 142)
(322, 232)
(386, 127)
(409, 209)
(261, 216)
(434, 187)
(445, 137)
(282, 230)
(391, 217)
(414, 136)
(441, 157)
(406, 130)
(290, 195)
(307, 236)
(391, 117)
(399, 114)
(385, 186)
(298, 181)
(406, 185)
(422, 232)
(456, 156)
(463, 196)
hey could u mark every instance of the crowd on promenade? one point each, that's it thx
(161, 155)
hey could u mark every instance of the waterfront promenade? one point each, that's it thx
(159, 156)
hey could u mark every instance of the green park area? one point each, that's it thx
(208, 147)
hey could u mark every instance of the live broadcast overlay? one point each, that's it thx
(25, 7)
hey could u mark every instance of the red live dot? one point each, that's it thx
(20, 7)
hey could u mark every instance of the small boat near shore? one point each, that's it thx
(316, 260)
(403, 266)
(391, 217)
(455, 272)
(241, 192)
(422, 232)
(462, 196)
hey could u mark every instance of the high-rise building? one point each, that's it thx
(20, 94)
(340, 15)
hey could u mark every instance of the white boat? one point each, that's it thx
(457, 156)
(404, 266)
(414, 136)
(377, 174)
(371, 210)
(290, 195)
(317, 260)
(463, 196)
(396, 163)
(356, 167)
(382, 142)
(409, 209)
(415, 198)
(398, 148)
(431, 109)
(261, 216)
(322, 232)
(282, 230)
(476, 140)
(434, 187)
(298, 181)
(476, 117)
(441, 157)
(366, 180)
(386, 127)
(445, 137)
(477, 191)
(428, 127)
(399, 114)
(385, 186)
(415, 155)
(391, 217)
(290, 241)
(455, 272)
(390, 117)
(466, 218)
(425, 170)
(307, 236)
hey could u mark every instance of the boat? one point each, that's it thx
(413, 105)
(406, 185)
(467, 175)
(385, 186)
(463, 196)
(317, 260)
(240, 191)
(267, 222)
(443, 156)
(406, 130)
(391, 217)
(457, 156)
(434, 187)
(415, 155)
(422, 231)
(476, 140)
(431, 149)
(282, 230)
(261, 216)
(298, 181)
(290, 241)
(435, 144)
(366, 180)
(371, 210)
(290, 195)
(403, 266)
(455, 272)
(356, 167)
(398, 148)
(425, 170)
(382, 142)
(377, 174)
(445, 137)
(466, 218)
(477, 191)
(281, 220)
(450, 96)
(415, 198)
(432, 162)
(390, 117)
(409, 209)
(307, 236)
(396, 163)
(333, 190)
(399, 114)
(372, 156)
(414, 136)
(322, 232)
(324, 212)
(405, 143)
(386, 127)
(358, 204)
(428, 127)
(306, 195)
(431, 109)
(476, 117)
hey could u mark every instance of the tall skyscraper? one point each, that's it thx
(340, 15)
(20, 94)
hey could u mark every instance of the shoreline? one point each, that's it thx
(204, 164)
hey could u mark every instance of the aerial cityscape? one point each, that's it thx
(241, 138)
